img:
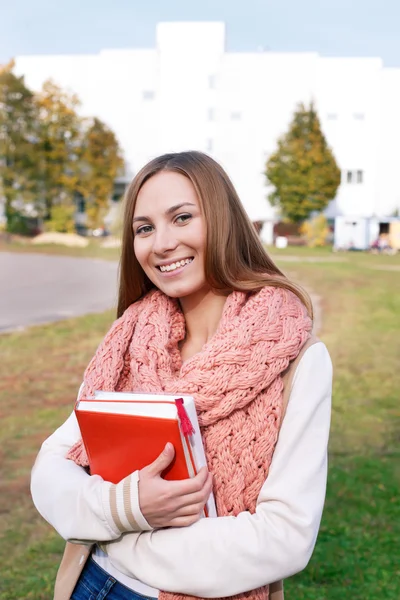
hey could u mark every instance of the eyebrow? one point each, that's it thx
(169, 211)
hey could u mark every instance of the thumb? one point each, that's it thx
(163, 460)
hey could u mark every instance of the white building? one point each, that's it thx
(189, 93)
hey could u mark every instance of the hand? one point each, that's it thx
(172, 503)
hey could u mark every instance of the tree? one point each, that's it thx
(60, 132)
(101, 161)
(18, 146)
(303, 170)
(50, 156)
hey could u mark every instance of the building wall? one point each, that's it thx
(349, 104)
(388, 164)
(188, 93)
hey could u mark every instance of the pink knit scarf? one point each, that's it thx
(235, 381)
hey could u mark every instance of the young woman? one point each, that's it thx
(203, 310)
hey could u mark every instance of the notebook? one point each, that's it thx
(126, 431)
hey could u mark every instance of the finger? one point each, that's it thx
(191, 510)
(184, 521)
(197, 497)
(162, 461)
(189, 486)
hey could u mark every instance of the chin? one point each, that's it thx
(183, 291)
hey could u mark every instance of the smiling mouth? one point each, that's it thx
(175, 265)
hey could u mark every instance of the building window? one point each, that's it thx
(355, 176)
(211, 114)
(209, 145)
(148, 95)
(236, 116)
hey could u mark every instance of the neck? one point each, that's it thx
(202, 315)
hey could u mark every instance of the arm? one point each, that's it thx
(246, 552)
(79, 506)
(85, 508)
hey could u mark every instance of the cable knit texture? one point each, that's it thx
(235, 381)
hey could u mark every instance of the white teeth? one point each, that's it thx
(176, 265)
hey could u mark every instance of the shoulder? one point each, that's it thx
(313, 371)
(316, 355)
(281, 300)
(308, 394)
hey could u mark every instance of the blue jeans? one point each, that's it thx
(96, 584)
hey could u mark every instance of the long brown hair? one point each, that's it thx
(235, 258)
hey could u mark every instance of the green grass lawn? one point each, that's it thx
(93, 250)
(41, 369)
(355, 556)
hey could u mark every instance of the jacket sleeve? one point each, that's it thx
(230, 555)
(81, 507)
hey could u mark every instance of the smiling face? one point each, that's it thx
(170, 235)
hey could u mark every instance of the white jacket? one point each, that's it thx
(213, 557)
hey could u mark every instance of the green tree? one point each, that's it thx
(60, 132)
(19, 139)
(101, 161)
(303, 170)
(50, 156)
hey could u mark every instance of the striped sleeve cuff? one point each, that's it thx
(121, 505)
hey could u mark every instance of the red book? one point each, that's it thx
(124, 432)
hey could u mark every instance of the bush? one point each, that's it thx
(62, 219)
(316, 231)
(18, 224)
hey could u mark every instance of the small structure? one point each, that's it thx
(385, 233)
(351, 233)
(363, 233)
(394, 234)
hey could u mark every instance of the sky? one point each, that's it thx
(329, 27)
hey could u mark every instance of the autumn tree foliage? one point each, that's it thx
(50, 155)
(18, 144)
(102, 162)
(303, 170)
(60, 138)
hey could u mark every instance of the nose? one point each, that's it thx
(164, 241)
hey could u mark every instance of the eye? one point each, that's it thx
(180, 219)
(144, 229)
